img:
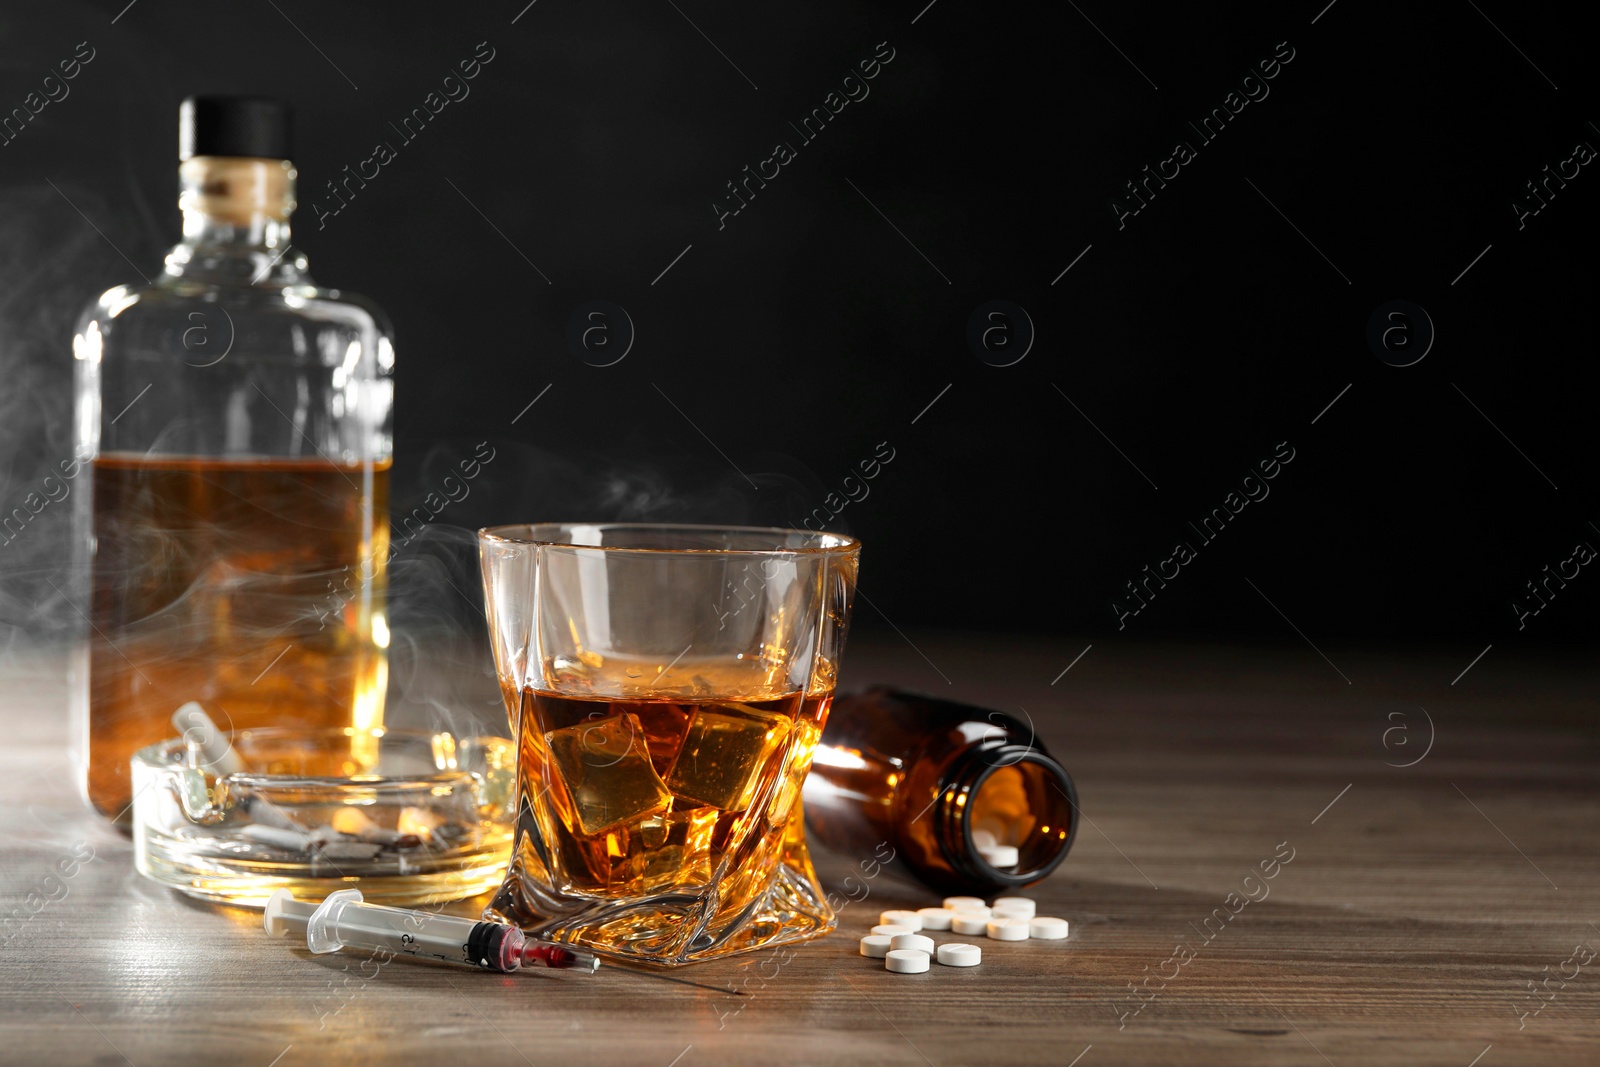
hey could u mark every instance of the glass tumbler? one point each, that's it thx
(666, 686)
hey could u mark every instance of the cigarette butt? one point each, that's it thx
(266, 813)
(278, 838)
(193, 724)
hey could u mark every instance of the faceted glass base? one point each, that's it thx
(775, 902)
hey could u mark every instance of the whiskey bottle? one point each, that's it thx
(234, 425)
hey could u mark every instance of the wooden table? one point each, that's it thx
(1419, 904)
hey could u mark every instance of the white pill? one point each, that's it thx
(1046, 928)
(916, 942)
(906, 961)
(956, 955)
(890, 929)
(999, 856)
(1017, 906)
(969, 924)
(984, 839)
(875, 946)
(936, 918)
(908, 919)
(965, 903)
(1008, 928)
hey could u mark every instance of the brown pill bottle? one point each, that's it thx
(934, 778)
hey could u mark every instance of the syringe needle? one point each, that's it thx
(683, 981)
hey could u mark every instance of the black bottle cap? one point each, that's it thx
(255, 126)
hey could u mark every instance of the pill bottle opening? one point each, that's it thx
(1026, 802)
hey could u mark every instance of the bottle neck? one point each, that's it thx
(236, 222)
(1015, 788)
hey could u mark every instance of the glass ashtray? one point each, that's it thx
(407, 816)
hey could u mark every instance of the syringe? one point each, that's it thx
(342, 919)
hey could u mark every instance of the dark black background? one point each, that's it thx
(809, 330)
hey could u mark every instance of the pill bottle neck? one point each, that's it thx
(1016, 794)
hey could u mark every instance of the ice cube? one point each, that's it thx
(605, 765)
(795, 765)
(661, 849)
(664, 727)
(724, 753)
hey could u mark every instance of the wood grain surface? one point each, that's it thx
(1422, 907)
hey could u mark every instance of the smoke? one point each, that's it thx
(66, 220)
(652, 483)
(87, 201)
(441, 669)
(41, 293)
(441, 673)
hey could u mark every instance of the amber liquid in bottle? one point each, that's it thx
(251, 585)
(655, 792)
